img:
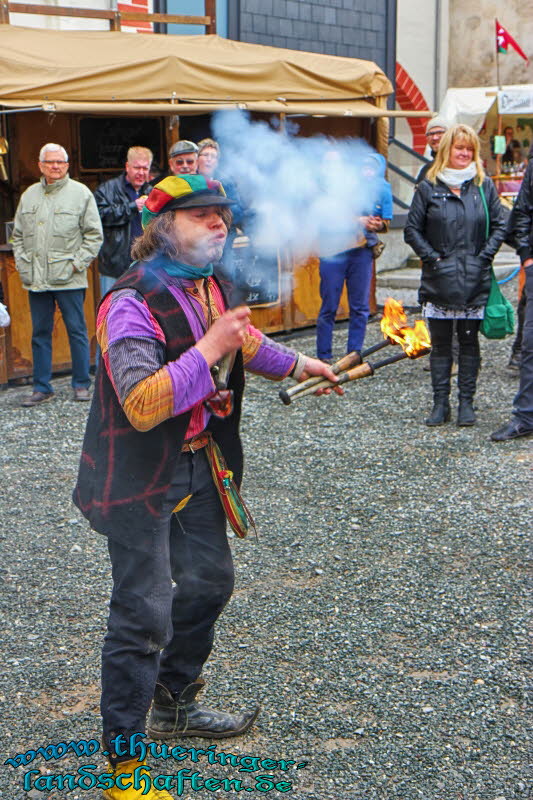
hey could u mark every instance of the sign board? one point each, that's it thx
(515, 101)
(104, 141)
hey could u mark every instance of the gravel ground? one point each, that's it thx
(379, 618)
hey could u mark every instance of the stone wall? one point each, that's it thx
(472, 48)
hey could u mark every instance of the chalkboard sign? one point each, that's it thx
(256, 276)
(104, 141)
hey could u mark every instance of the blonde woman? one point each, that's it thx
(456, 225)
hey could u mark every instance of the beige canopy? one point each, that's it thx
(97, 70)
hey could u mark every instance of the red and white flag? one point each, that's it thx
(504, 39)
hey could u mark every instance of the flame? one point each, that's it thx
(394, 327)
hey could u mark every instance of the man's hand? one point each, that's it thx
(528, 262)
(374, 224)
(313, 366)
(225, 335)
(140, 201)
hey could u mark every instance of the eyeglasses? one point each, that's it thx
(220, 404)
(182, 161)
(429, 134)
(54, 163)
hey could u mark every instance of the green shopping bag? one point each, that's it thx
(498, 321)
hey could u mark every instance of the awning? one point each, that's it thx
(470, 106)
(353, 108)
(85, 67)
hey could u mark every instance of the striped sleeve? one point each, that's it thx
(133, 350)
(264, 356)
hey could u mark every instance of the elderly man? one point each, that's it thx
(56, 235)
(183, 158)
(521, 423)
(146, 478)
(120, 202)
(435, 130)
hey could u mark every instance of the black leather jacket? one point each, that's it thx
(522, 217)
(449, 233)
(116, 210)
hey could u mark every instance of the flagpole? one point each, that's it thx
(500, 121)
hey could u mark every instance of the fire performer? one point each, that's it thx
(163, 330)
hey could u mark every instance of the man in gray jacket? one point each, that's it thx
(56, 235)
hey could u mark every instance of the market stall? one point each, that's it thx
(505, 112)
(96, 93)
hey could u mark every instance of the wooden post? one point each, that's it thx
(115, 23)
(4, 12)
(211, 12)
(499, 156)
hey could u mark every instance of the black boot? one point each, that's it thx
(174, 717)
(441, 367)
(466, 381)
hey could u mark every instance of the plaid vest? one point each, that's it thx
(124, 474)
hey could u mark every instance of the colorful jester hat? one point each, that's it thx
(183, 191)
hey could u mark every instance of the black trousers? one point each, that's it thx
(169, 587)
(441, 331)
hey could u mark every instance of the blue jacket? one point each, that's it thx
(383, 205)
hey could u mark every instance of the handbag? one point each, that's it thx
(498, 321)
(378, 248)
(234, 506)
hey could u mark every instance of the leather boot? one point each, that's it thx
(466, 381)
(441, 368)
(174, 717)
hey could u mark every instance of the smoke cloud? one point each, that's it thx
(306, 194)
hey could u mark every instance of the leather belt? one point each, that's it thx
(195, 443)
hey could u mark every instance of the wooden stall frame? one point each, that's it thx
(116, 18)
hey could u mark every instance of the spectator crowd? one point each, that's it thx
(456, 224)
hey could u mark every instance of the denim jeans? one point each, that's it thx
(106, 283)
(157, 631)
(42, 307)
(523, 402)
(353, 267)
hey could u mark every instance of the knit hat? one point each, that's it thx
(437, 122)
(183, 191)
(183, 146)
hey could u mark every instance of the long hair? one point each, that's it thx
(159, 237)
(442, 159)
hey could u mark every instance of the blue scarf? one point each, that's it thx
(178, 270)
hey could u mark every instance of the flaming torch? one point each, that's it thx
(414, 341)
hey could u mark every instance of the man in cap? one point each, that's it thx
(145, 480)
(183, 158)
(435, 130)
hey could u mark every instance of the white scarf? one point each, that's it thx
(454, 178)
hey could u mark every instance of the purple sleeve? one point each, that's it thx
(267, 357)
(136, 350)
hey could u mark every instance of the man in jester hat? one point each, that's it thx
(144, 478)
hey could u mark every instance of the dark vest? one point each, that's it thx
(124, 474)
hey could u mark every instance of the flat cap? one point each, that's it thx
(181, 147)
